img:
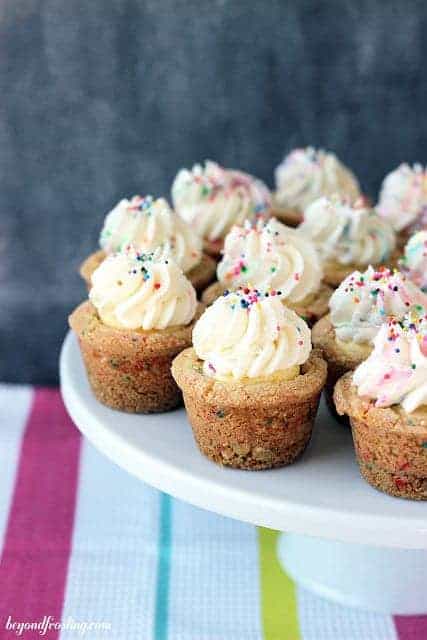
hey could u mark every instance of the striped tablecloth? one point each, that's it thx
(84, 543)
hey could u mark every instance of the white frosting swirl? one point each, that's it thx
(347, 234)
(307, 174)
(363, 301)
(147, 224)
(396, 371)
(403, 197)
(270, 255)
(248, 336)
(212, 199)
(414, 262)
(133, 290)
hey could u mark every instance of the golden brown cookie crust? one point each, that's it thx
(213, 247)
(203, 273)
(290, 217)
(404, 235)
(214, 291)
(345, 355)
(311, 310)
(128, 369)
(315, 307)
(256, 425)
(341, 357)
(390, 444)
(334, 272)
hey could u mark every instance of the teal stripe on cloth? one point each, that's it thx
(163, 569)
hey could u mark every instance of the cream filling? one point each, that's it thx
(285, 375)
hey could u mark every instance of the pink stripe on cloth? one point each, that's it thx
(34, 563)
(411, 627)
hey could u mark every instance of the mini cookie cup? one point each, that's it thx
(129, 369)
(200, 276)
(311, 309)
(341, 357)
(250, 425)
(390, 444)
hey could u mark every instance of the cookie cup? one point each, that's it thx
(390, 444)
(252, 425)
(311, 308)
(200, 276)
(340, 356)
(129, 369)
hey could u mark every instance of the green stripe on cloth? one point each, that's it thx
(278, 598)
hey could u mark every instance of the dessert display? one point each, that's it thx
(139, 316)
(386, 400)
(304, 176)
(414, 260)
(244, 361)
(403, 200)
(212, 199)
(273, 257)
(347, 237)
(146, 224)
(251, 383)
(358, 309)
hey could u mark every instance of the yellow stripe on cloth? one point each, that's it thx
(278, 598)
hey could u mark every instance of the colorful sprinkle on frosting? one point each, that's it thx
(212, 198)
(307, 174)
(148, 223)
(269, 255)
(249, 333)
(396, 371)
(137, 290)
(347, 234)
(364, 300)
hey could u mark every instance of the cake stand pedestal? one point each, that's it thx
(386, 580)
(344, 540)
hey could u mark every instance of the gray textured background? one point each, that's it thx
(105, 98)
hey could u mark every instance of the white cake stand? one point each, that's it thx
(344, 540)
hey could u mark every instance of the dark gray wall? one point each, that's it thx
(105, 98)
